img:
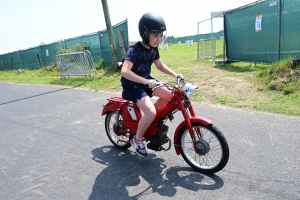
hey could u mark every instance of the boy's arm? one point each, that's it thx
(127, 73)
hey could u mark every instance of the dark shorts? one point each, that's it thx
(136, 91)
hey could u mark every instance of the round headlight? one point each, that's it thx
(188, 88)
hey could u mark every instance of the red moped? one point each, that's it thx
(200, 143)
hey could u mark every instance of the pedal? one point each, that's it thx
(171, 117)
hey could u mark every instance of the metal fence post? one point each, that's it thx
(42, 57)
(211, 28)
(198, 41)
(6, 62)
(99, 33)
(63, 44)
(21, 59)
(2, 65)
(279, 30)
(224, 38)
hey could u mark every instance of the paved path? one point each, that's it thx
(53, 146)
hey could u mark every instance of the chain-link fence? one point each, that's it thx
(76, 64)
(207, 48)
(210, 38)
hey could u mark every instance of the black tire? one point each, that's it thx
(213, 152)
(110, 122)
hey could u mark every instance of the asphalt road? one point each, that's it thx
(53, 146)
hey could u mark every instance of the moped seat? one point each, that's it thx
(124, 96)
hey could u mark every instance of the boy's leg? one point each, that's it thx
(164, 95)
(146, 105)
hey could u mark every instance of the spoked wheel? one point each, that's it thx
(121, 141)
(211, 152)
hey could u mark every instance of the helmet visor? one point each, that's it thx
(164, 37)
(161, 35)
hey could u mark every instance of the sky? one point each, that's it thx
(25, 23)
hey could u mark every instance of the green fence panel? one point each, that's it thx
(105, 49)
(182, 39)
(218, 35)
(105, 45)
(290, 29)
(195, 38)
(172, 40)
(49, 52)
(44, 55)
(2, 62)
(99, 44)
(116, 28)
(244, 41)
(31, 58)
(5, 62)
(251, 33)
(205, 36)
(13, 61)
(92, 40)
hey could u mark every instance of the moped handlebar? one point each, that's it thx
(179, 79)
(158, 84)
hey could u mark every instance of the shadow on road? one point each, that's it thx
(129, 176)
(37, 95)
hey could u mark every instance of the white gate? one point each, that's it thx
(207, 48)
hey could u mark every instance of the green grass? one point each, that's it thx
(269, 88)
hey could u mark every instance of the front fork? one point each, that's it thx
(196, 132)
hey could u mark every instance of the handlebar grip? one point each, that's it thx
(180, 77)
(147, 86)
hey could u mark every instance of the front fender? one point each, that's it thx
(199, 119)
(110, 106)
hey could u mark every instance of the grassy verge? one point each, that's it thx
(269, 88)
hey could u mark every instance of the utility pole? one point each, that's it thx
(110, 33)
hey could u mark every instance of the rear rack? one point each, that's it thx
(117, 99)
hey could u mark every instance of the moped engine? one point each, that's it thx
(156, 142)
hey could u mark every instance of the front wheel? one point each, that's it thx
(210, 153)
(121, 141)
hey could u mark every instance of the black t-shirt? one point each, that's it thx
(142, 59)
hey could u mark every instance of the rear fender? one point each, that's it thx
(110, 106)
(199, 119)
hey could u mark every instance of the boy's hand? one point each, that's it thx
(180, 75)
(151, 83)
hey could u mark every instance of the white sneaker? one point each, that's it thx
(139, 146)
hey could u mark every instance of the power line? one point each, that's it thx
(233, 4)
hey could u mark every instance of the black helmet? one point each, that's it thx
(151, 23)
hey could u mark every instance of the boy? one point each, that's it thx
(136, 73)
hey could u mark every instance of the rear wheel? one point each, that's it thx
(121, 141)
(211, 152)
